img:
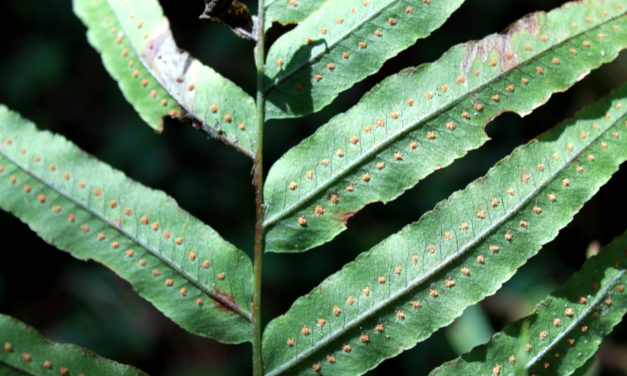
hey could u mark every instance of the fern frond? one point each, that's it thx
(158, 79)
(86, 208)
(566, 328)
(423, 277)
(422, 119)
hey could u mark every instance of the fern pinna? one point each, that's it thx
(407, 286)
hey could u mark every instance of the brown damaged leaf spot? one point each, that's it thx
(499, 43)
(346, 216)
(175, 70)
(502, 44)
(221, 300)
(169, 65)
(224, 302)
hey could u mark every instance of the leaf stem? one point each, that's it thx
(258, 184)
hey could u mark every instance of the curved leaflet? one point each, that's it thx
(158, 79)
(83, 206)
(26, 352)
(422, 119)
(422, 278)
(341, 43)
(571, 323)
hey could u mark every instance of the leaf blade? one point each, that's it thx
(421, 278)
(384, 145)
(309, 66)
(26, 352)
(556, 324)
(289, 11)
(138, 50)
(83, 206)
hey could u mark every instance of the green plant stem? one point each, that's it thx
(259, 204)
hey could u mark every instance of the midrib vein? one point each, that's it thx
(377, 148)
(234, 307)
(576, 321)
(442, 265)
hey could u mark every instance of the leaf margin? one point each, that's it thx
(309, 36)
(24, 333)
(308, 304)
(114, 234)
(606, 261)
(180, 84)
(287, 206)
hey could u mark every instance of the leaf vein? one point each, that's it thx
(454, 256)
(156, 252)
(381, 146)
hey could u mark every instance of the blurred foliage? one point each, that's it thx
(53, 77)
(468, 330)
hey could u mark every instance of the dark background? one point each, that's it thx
(51, 75)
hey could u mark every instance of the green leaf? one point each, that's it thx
(565, 330)
(84, 207)
(289, 11)
(469, 330)
(158, 79)
(590, 368)
(26, 352)
(341, 43)
(422, 278)
(384, 146)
